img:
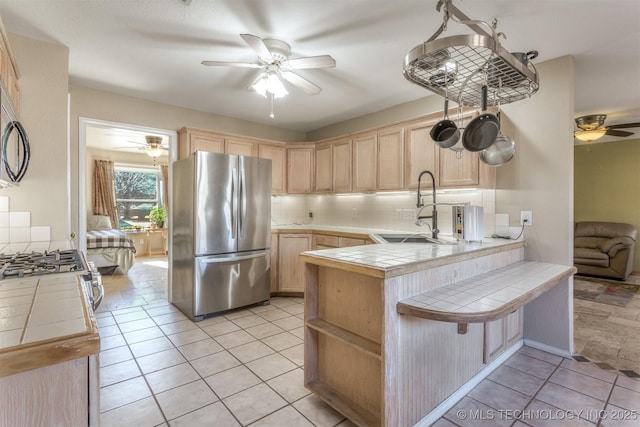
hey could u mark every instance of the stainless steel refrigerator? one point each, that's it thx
(221, 232)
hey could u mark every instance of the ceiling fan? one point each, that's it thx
(153, 146)
(592, 128)
(273, 59)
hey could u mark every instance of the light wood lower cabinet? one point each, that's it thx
(64, 394)
(501, 334)
(290, 268)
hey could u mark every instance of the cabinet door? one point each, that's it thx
(513, 327)
(421, 154)
(323, 168)
(458, 169)
(494, 340)
(273, 274)
(365, 159)
(190, 140)
(299, 170)
(342, 166)
(240, 147)
(277, 155)
(390, 160)
(290, 267)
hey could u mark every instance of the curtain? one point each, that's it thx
(164, 171)
(104, 192)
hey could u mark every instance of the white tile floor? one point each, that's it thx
(246, 368)
(157, 367)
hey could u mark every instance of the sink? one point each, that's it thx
(416, 238)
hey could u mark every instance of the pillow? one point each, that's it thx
(98, 222)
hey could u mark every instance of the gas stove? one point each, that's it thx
(35, 263)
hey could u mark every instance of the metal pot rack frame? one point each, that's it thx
(458, 66)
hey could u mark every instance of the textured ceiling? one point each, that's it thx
(152, 49)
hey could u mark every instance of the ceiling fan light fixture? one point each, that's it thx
(269, 83)
(154, 151)
(589, 135)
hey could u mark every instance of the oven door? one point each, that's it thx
(94, 289)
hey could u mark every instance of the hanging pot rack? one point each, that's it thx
(458, 66)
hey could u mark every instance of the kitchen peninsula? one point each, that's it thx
(392, 331)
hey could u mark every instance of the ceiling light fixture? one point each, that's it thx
(154, 151)
(269, 82)
(589, 135)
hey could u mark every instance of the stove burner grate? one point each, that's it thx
(25, 264)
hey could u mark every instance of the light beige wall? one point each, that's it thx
(540, 179)
(44, 85)
(607, 184)
(423, 106)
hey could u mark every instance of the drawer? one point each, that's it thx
(348, 241)
(330, 241)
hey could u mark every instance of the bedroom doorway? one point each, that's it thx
(124, 144)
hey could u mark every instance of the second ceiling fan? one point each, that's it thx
(592, 128)
(273, 59)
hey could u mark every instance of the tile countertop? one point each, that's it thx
(44, 320)
(396, 259)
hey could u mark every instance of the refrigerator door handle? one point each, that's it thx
(234, 203)
(243, 204)
(218, 259)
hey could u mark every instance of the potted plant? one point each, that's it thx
(158, 216)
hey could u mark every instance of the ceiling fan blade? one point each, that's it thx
(613, 132)
(257, 45)
(624, 125)
(231, 64)
(301, 82)
(322, 61)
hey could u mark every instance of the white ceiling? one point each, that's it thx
(152, 49)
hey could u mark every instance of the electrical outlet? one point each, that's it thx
(354, 212)
(310, 214)
(526, 215)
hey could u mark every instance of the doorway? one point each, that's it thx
(125, 144)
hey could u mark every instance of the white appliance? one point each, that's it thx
(468, 223)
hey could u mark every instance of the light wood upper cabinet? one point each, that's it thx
(421, 154)
(240, 147)
(190, 140)
(365, 160)
(341, 153)
(390, 174)
(278, 157)
(300, 169)
(9, 71)
(324, 168)
(458, 169)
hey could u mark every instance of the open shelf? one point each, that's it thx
(368, 346)
(346, 407)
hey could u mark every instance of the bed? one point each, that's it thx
(109, 249)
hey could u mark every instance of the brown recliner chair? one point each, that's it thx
(604, 248)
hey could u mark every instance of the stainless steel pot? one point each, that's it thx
(500, 152)
(445, 133)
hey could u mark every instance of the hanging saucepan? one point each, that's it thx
(445, 133)
(482, 131)
(500, 152)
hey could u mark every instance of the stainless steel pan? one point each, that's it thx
(482, 131)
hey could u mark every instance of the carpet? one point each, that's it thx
(604, 291)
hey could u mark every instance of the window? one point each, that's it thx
(137, 191)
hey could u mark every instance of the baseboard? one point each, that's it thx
(547, 348)
(450, 401)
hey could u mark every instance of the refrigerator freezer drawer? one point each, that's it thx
(223, 282)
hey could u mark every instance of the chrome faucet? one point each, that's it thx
(434, 212)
